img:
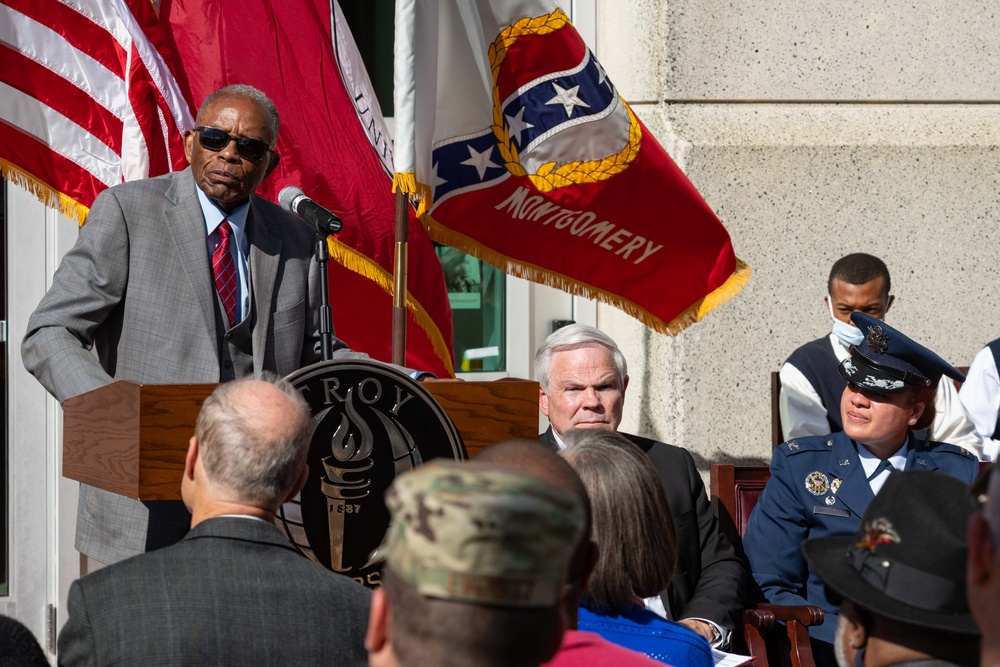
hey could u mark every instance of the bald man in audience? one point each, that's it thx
(234, 591)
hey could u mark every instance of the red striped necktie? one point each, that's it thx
(224, 271)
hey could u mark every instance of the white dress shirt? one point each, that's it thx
(981, 397)
(870, 463)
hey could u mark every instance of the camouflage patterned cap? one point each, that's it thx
(471, 533)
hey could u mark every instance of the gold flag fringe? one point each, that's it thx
(45, 193)
(414, 189)
(736, 281)
(355, 261)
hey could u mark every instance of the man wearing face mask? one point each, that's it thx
(811, 386)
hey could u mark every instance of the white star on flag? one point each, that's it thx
(602, 76)
(481, 161)
(517, 125)
(435, 179)
(568, 98)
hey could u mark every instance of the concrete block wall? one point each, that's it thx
(813, 129)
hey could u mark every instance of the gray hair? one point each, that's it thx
(252, 443)
(571, 337)
(244, 90)
(632, 524)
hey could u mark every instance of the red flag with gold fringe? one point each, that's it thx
(543, 169)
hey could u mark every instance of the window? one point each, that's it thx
(477, 294)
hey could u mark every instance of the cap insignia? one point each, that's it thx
(876, 532)
(877, 340)
(817, 483)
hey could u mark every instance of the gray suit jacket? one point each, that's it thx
(232, 592)
(137, 288)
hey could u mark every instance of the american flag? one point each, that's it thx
(87, 99)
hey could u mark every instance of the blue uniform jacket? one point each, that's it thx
(819, 489)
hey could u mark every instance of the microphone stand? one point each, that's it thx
(325, 312)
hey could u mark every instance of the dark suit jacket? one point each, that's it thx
(137, 287)
(708, 580)
(232, 592)
(818, 488)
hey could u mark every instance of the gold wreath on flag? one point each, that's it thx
(549, 177)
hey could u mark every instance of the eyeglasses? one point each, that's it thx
(215, 139)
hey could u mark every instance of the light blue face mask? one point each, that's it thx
(848, 334)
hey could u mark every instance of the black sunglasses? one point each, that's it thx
(215, 139)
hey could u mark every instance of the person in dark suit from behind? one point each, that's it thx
(234, 591)
(582, 377)
(18, 647)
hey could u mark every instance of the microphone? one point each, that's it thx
(294, 199)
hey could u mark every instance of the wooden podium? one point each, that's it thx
(132, 439)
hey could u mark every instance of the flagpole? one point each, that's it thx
(399, 280)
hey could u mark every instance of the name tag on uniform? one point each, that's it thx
(830, 511)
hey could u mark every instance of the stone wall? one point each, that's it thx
(813, 129)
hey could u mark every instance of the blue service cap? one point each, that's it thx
(887, 361)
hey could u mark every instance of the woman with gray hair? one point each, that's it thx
(637, 545)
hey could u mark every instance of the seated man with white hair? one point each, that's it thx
(582, 377)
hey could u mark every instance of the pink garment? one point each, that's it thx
(585, 649)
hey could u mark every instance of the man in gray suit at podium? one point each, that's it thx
(234, 591)
(182, 279)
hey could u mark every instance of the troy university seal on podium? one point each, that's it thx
(370, 423)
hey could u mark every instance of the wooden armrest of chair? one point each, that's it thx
(755, 621)
(806, 615)
(797, 619)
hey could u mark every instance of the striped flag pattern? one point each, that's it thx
(87, 99)
(97, 92)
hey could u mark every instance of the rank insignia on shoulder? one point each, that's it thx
(793, 444)
(817, 483)
(834, 485)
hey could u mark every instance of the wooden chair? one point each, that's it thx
(735, 490)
